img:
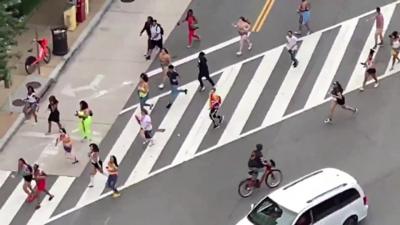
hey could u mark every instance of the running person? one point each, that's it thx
(338, 99)
(215, 104)
(40, 177)
(146, 127)
(243, 27)
(203, 71)
(31, 104)
(370, 70)
(165, 61)
(156, 39)
(95, 161)
(192, 27)
(112, 169)
(173, 79)
(54, 115)
(85, 123)
(304, 16)
(67, 145)
(395, 43)
(143, 91)
(25, 170)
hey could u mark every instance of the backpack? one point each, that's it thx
(161, 29)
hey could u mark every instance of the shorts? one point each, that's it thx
(395, 51)
(67, 149)
(305, 17)
(157, 43)
(28, 178)
(148, 134)
(371, 71)
(96, 165)
(341, 101)
(379, 31)
(41, 185)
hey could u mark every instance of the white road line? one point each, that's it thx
(119, 149)
(58, 189)
(203, 122)
(292, 79)
(3, 176)
(357, 76)
(332, 63)
(169, 123)
(13, 204)
(250, 97)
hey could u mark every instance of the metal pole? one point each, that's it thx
(37, 49)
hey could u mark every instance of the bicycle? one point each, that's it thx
(272, 178)
(31, 62)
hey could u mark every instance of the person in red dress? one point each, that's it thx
(40, 177)
(192, 27)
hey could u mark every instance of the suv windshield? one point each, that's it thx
(270, 213)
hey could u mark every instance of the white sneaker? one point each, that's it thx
(151, 142)
(376, 85)
(239, 53)
(361, 89)
(161, 86)
(188, 46)
(250, 46)
(328, 120)
(203, 88)
(355, 110)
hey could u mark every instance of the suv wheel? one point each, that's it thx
(351, 221)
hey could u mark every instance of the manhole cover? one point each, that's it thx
(34, 84)
(127, 1)
(18, 102)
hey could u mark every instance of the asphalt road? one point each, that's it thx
(204, 190)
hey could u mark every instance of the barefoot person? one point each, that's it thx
(243, 27)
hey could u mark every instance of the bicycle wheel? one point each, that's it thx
(47, 57)
(29, 66)
(245, 190)
(273, 178)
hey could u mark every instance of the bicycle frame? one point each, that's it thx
(43, 52)
(252, 182)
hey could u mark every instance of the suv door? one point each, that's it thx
(324, 212)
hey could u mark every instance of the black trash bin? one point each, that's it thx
(60, 41)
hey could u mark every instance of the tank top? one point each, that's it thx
(143, 90)
(112, 169)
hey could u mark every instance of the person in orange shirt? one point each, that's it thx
(215, 104)
(67, 144)
(112, 169)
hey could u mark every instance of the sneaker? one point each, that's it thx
(217, 126)
(37, 207)
(309, 32)
(147, 57)
(239, 53)
(391, 68)
(297, 32)
(169, 105)
(202, 89)
(145, 142)
(376, 85)
(51, 197)
(185, 91)
(151, 106)
(355, 110)
(75, 162)
(161, 86)
(361, 89)
(328, 120)
(90, 186)
(222, 119)
(188, 46)
(380, 43)
(374, 47)
(116, 195)
(151, 142)
(250, 46)
(295, 64)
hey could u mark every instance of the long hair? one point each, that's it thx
(144, 77)
(244, 19)
(190, 13)
(337, 87)
(95, 147)
(53, 99)
(114, 160)
(84, 105)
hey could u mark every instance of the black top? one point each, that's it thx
(173, 77)
(255, 160)
(146, 28)
(202, 64)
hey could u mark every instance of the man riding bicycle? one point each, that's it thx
(256, 164)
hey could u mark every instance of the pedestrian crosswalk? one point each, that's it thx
(190, 144)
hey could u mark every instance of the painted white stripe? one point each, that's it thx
(169, 123)
(3, 176)
(58, 189)
(203, 122)
(13, 204)
(332, 63)
(119, 149)
(251, 95)
(357, 76)
(292, 79)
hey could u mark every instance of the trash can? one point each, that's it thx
(60, 41)
(70, 18)
(80, 11)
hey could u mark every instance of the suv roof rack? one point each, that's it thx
(339, 186)
(301, 179)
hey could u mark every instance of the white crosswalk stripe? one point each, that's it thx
(200, 127)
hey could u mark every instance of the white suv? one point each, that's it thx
(324, 197)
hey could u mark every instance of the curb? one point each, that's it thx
(55, 74)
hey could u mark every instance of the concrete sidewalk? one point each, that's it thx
(112, 58)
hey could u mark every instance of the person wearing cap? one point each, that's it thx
(257, 163)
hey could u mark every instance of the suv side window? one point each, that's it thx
(325, 208)
(348, 197)
(304, 219)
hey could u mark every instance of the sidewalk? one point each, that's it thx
(41, 21)
(104, 72)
